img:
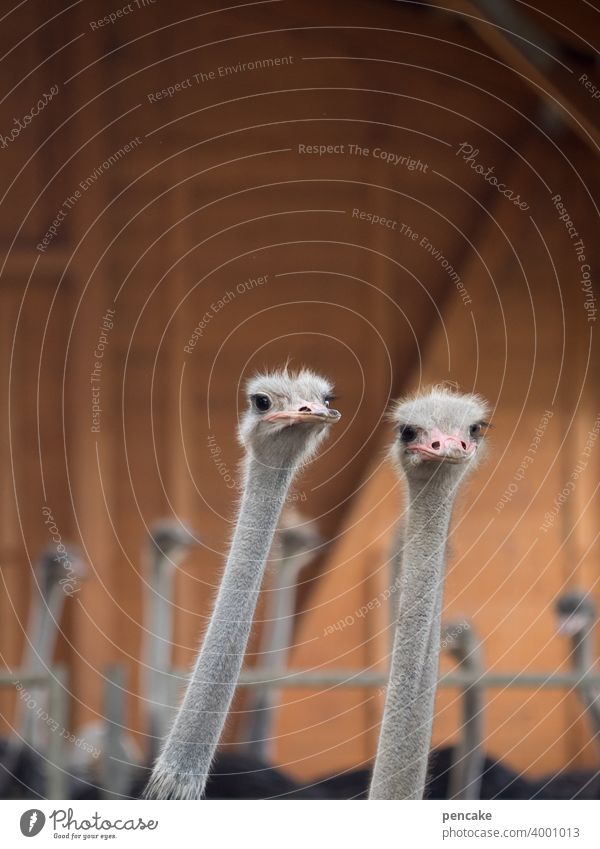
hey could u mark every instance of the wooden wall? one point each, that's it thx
(214, 190)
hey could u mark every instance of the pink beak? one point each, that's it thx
(451, 448)
(306, 412)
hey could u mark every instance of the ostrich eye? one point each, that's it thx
(407, 433)
(261, 402)
(478, 429)
(328, 399)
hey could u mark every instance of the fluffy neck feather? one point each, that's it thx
(401, 762)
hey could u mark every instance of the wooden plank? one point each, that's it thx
(488, 27)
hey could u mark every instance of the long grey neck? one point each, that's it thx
(395, 571)
(277, 633)
(401, 763)
(183, 766)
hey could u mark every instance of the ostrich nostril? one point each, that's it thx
(435, 445)
(464, 445)
(304, 410)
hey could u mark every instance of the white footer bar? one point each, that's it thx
(302, 824)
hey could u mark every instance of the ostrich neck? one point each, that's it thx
(157, 642)
(277, 634)
(401, 762)
(48, 598)
(584, 662)
(583, 654)
(184, 764)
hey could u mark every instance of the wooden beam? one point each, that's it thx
(487, 23)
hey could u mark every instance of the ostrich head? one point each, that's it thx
(438, 428)
(67, 568)
(287, 416)
(575, 612)
(298, 535)
(299, 540)
(454, 635)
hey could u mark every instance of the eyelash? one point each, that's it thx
(480, 428)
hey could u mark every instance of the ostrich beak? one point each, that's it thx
(450, 448)
(306, 412)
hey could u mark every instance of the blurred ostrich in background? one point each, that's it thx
(116, 763)
(577, 615)
(468, 756)
(56, 577)
(168, 544)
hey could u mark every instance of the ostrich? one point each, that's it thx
(56, 577)
(113, 760)
(298, 541)
(577, 615)
(282, 428)
(168, 543)
(116, 764)
(468, 756)
(439, 436)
